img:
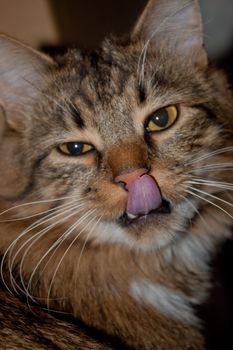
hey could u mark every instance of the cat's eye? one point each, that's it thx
(74, 148)
(162, 119)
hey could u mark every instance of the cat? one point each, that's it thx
(115, 189)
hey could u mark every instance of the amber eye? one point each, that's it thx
(162, 119)
(74, 148)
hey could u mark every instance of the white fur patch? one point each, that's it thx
(168, 302)
(110, 233)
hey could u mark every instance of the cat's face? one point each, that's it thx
(101, 122)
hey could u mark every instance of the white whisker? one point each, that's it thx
(51, 98)
(210, 202)
(85, 242)
(211, 167)
(196, 211)
(40, 213)
(30, 228)
(215, 184)
(82, 250)
(142, 56)
(37, 202)
(212, 154)
(55, 246)
(89, 213)
(38, 236)
(212, 196)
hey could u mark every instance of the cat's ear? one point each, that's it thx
(175, 25)
(22, 76)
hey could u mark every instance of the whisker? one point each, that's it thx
(37, 202)
(41, 221)
(51, 98)
(88, 235)
(83, 248)
(142, 56)
(201, 179)
(213, 170)
(208, 201)
(39, 213)
(55, 246)
(84, 245)
(212, 196)
(45, 219)
(38, 236)
(89, 213)
(196, 210)
(209, 167)
(56, 311)
(141, 62)
(31, 227)
(212, 154)
(212, 184)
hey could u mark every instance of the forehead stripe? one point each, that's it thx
(76, 116)
(210, 114)
(141, 92)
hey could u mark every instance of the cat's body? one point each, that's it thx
(136, 238)
(30, 328)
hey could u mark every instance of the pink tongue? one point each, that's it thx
(144, 195)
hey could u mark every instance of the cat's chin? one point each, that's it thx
(136, 236)
(150, 232)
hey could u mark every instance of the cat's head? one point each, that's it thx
(117, 134)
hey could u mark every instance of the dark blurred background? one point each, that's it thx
(86, 22)
(55, 24)
(64, 22)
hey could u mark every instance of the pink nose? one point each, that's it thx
(129, 178)
(143, 192)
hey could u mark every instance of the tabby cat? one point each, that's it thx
(115, 188)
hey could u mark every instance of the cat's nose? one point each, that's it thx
(128, 178)
(143, 192)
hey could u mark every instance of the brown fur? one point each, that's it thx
(140, 282)
(31, 328)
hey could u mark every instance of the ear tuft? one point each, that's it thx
(174, 25)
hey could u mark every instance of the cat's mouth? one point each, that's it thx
(127, 218)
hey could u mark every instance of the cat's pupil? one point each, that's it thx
(75, 148)
(160, 118)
